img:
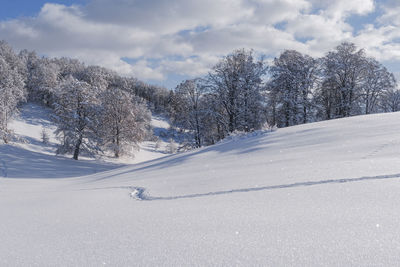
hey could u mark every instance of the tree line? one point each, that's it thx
(96, 109)
(242, 93)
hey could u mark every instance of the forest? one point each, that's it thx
(96, 109)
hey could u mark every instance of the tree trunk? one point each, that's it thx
(116, 150)
(198, 134)
(304, 106)
(287, 115)
(231, 123)
(77, 148)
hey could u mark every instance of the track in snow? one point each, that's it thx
(380, 148)
(138, 193)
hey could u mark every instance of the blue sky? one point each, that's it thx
(165, 41)
(11, 9)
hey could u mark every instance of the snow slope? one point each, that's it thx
(325, 193)
(30, 157)
(30, 150)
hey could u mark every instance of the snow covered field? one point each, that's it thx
(326, 193)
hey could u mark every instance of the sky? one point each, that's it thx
(165, 41)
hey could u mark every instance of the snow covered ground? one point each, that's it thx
(326, 193)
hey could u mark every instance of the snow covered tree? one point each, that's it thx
(325, 99)
(251, 98)
(190, 109)
(70, 67)
(352, 83)
(77, 117)
(292, 79)
(157, 144)
(236, 84)
(97, 77)
(172, 147)
(343, 72)
(157, 97)
(213, 121)
(125, 120)
(12, 89)
(377, 80)
(42, 78)
(45, 136)
(390, 100)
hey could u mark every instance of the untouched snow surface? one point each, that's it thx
(326, 193)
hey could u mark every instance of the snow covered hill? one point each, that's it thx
(30, 157)
(324, 193)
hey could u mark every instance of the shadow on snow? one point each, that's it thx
(17, 162)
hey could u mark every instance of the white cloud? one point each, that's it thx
(391, 15)
(187, 37)
(338, 9)
(167, 16)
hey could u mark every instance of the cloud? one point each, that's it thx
(339, 9)
(185, 38)
(166, 17)
(391, 15)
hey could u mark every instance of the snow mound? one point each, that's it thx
(138, 193)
